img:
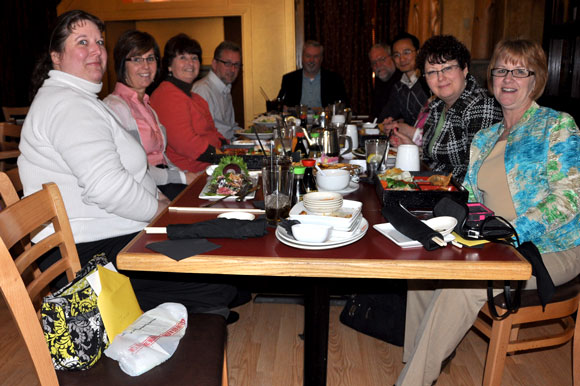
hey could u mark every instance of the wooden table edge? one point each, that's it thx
(325, 267)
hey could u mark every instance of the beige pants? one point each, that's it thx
(439, 314)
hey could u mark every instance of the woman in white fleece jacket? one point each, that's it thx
(71, 138)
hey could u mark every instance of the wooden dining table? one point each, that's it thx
(373, 256)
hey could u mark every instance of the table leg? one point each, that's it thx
(316, 317)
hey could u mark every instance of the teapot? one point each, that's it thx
(329, 140)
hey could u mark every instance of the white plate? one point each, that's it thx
(204, 196)
(339, 223)
(285, 238)
(352, 187)
(387, 230)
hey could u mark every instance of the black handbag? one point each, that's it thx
(381, 316)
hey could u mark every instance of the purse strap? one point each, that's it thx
(512, 297)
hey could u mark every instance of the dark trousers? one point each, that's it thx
(154, 288)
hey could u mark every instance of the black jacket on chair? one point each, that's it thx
(331, 88)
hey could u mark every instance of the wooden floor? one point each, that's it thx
(264, 349)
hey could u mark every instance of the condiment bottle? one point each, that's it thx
(315, 146)
(309, 181)
(298, 190)
(300, 147)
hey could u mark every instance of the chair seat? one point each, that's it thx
(198, 361)
(530, 298)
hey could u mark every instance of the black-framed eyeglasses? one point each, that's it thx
(444, 71)
(237, 66)
(139, 59)
(406, 52)
(516, 72)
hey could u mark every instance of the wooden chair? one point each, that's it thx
(11, 114)
(9, 139)
(503, 334)
(8, 192)
(199, 359)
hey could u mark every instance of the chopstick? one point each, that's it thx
(260, 142)
(264, 93)
(212, 203)
(438, 241)
(213, 210)
(155, 230)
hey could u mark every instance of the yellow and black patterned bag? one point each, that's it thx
(72, 324)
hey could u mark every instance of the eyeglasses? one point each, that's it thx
(406, 52)
(140, 59)
(381, 59)
(444, 71)
(228, 65)
(516, 72)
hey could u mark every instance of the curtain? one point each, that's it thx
(26, 27)
(345, 29)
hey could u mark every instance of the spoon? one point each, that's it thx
(319, 170)
(375, 121)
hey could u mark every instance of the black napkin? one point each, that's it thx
(218, 228)
(180, 249)
(287, 225)
(410, 226)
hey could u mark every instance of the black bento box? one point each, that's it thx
(420, 199)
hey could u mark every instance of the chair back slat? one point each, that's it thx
(8, 192)
(16, 221)
(13, 113)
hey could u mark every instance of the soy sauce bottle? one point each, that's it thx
(298, 190)
(309, 181)
(300, 147)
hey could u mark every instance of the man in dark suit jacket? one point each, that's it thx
(312, 86)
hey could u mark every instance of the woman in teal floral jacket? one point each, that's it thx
(525, 169)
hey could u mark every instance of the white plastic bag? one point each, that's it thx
(150, 340)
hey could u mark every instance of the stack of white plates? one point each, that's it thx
(343, 221)
(322, 202)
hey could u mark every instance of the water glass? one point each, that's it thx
(374, 150)
(277, 178)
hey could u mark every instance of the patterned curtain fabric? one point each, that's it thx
(345, 29)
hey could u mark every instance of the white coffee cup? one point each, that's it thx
(352, 132)
(408, 158)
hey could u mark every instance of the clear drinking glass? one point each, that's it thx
(277, 180)
(374, 150)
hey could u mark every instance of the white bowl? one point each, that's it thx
(237, 215)
(311, 233)
(333, 179)
(442, 224)
(369, 125)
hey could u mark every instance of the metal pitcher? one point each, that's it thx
(329, 141)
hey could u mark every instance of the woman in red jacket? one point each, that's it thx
(192, 138)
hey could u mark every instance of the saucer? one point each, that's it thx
(352, 187)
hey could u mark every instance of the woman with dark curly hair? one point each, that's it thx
(192, 138)
(460, 108)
